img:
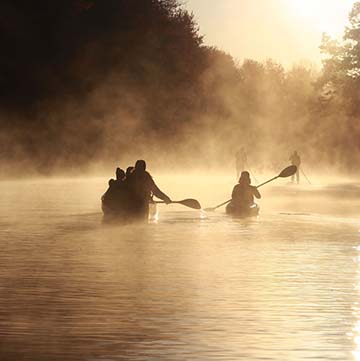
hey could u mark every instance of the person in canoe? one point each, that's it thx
(120, 175)
(243, 196)
(115, 183)
(128, 172)
(295, 160)
(112, 197)
(141, 187)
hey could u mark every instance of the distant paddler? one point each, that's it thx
(243, 194)
(295, 160)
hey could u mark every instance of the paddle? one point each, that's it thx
(191, 203)
(286, 172)
(253, 175)
(302, 171)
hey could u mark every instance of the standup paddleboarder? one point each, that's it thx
(295, 160)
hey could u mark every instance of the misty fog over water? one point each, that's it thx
(192, 285)
(90, 85)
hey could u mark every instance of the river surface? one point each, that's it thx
(191, 286)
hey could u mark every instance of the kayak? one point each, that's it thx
(252, 211)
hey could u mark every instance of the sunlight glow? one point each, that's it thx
(289, 31)
(327, 16)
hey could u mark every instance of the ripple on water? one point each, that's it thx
(280, 287)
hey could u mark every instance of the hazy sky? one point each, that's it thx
(286, 30)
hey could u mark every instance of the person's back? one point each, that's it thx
(140, 182)
(109, 199)
(110, 189)
(113, 197)
(141, 186)
(243, 196)
(243, 193)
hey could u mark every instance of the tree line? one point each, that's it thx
(84, 80)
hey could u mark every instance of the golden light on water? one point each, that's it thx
(356, 332)
(356, 311)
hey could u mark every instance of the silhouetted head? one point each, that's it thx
(120, 174)
(129, 170)
(245, 177)
(111, 182)
(140, 166)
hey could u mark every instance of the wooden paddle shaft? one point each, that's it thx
(268, 181)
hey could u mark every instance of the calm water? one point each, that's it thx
(285, 286)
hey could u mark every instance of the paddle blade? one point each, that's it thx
(288, 171)
(191, 203)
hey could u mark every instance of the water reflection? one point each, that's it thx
(355, 334)
(190, 286)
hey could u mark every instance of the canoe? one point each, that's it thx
(252, 211)
(118, 212)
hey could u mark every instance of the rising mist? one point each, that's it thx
(88, 83)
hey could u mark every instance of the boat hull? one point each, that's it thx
(123, 214)
(242, 213)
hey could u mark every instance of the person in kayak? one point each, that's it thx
(142, 187)
(295, 160)
(243, 193)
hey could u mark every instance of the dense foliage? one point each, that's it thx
(83, 80)
(340, 81)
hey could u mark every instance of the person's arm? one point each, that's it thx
(256, 193)
(157, 192)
